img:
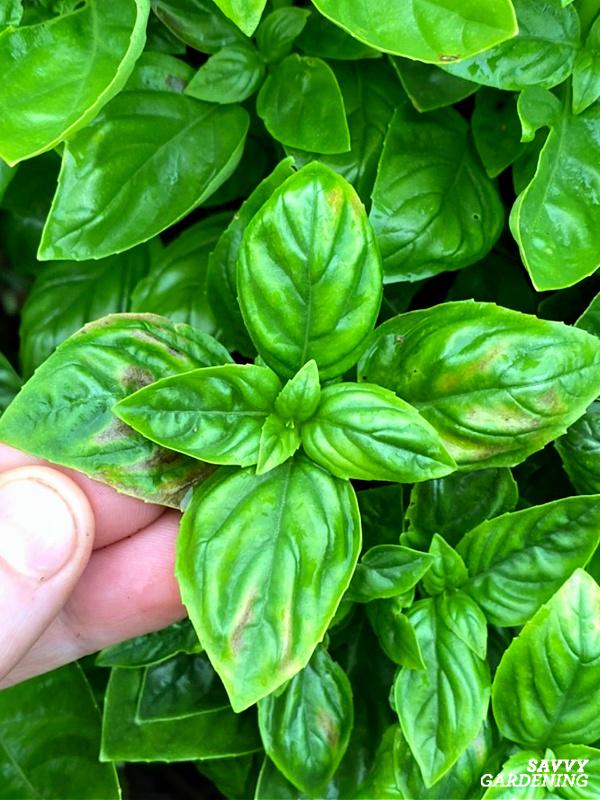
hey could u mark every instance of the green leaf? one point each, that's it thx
(480, 375)
(434, 208)
(176, 286)
(81, 59)
(233, 777)
(66, 296)
(396, 635)
(542, 54)
(579, 450)
(222, 292)
(63, 413)
(555, 239)
(152, 648)
(49, 738)
(229, 76)
(210, 733)
(586, 72)
(10, 383)
(307, 293)
(381, 780)
(158, 72)
(180, 686)
(299, 398)
(466, 619)
(302, 106)
(306, 729)
(442, 707)
(108, 199)
(198, 23)
(537, 108)
(447, 570)
(280, 579)
(245, 13)
(366, 432)
(453, 505)
(545, 691)
(279, 30)
(435, 32)
(214, 414)
(279, 440)
(11, 13)
(591, 770)
(512, 769)
(371, 94)
(590, 319)
(517, 561)
(496, 130)
(387, 570)
(462, 780)
(429, 87)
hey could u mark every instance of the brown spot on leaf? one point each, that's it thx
(115, 431)
(237, 637)
(446, 58)
(134, 378)
(328, 728)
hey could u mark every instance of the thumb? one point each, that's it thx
(46, 535)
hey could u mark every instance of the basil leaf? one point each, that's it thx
(10, 383)
(368, 433)
(66, 296)
(466, 619)
(592, 768)
(434, 32)
(429, 87)
(300, 396)
(477, 372)
(496, 130)
(64, 414)
(306, 729)
(371, 95)
(215, 733)
(152, 648)
(245, 14)
(545, 691)
(82, 60)
(447, 569)
(157, 72)
(279, 30)
(434, 208)
(214, 414)
(11, 13)
(516, 764)
(542, 54)
(233, 777)
(222, 292)
(559, 251)
(181, 686)
(442, 707)
(198, 23)
(586, 72)
(455, 504)
(517, 561)
(579, 450)
(248, 534)
(229, 76)
(43, 719)
(310, 118)
(381, 780)
(109, 167)
(176, 286)
(397, 637)
(279, 440)
(320, 294)
(590, 319)
(387, 570)
(462, 780)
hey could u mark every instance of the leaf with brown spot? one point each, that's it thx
(306, 729)
(281, 548)
(63, 413)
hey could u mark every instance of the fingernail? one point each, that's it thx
(37, 527)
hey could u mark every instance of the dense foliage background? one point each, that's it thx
(156, 158)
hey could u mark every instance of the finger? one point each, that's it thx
(127, 589)
(116, 515)
(46, 535)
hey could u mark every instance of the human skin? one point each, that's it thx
(102, 568)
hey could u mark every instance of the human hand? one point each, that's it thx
(81, 567)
